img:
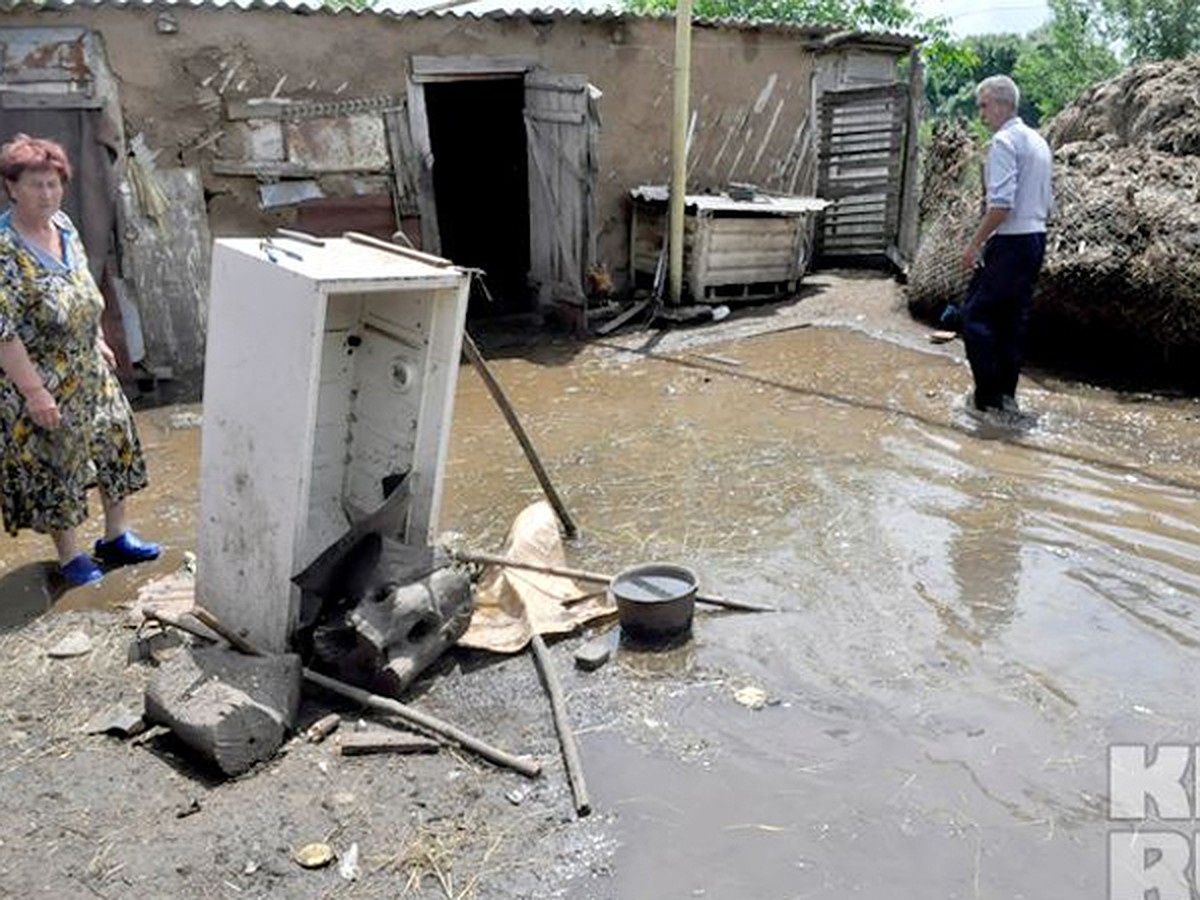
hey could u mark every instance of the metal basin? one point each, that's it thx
(655, 602)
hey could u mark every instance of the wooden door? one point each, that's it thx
(561, 126)
(863, 141)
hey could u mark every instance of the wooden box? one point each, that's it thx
(733, 249)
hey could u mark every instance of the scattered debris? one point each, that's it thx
(942, 337)
(751, 697)
(314, 856)
(172, 595)
(516, 796)
(188, 809)
(365, 743)
(186, 420)
(529, 768)
(117, 721)
(595, 653)
(74, 644)
(231, 709)
(394, 631)
(348, 864)
(322, 728)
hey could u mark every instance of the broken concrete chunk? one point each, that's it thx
(233, 710)
(117, 721)
(594, 653)
(74, 644)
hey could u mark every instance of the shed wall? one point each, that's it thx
(751, 91)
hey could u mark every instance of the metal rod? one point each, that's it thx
(492, 559)
(562, 724)
(510, 415)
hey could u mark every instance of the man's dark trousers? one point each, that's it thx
(996, 313)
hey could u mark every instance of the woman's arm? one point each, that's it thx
(39, 403)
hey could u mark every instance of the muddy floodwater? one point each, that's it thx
(971, 615)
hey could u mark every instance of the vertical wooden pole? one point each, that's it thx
(683, 67)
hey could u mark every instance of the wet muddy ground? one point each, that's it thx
(972, 615)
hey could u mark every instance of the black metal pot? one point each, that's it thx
(655, 602)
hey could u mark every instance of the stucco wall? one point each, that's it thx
(750, 92)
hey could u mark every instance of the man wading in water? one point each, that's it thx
(1008, 247)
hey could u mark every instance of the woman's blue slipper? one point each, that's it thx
(126, 549)
(81, 570)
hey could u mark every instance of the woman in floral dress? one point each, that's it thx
(65, 425)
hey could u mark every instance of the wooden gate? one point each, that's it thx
(862, 158)
(560, 125)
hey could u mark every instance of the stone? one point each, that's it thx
(74, 644)
(117, 721)
(595, 653)
(231, 709)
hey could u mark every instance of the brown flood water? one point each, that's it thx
(972, 615)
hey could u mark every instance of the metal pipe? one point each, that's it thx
(679, 124)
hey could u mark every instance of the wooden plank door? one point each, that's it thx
(560, 126)
(863, 141)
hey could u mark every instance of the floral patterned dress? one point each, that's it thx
(54, 309)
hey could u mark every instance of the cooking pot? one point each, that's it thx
(655, 602)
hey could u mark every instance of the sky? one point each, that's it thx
(973, 17)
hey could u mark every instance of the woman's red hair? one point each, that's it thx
(25, 152)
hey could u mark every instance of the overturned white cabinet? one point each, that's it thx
(328, 370)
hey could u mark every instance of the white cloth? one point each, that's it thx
(1019, 170)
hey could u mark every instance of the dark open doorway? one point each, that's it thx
(481, 182)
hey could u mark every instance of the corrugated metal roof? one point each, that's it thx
(479, 9)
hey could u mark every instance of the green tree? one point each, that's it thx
(880, 15)
(950, 89)
(1064, 57)
(1152, 29)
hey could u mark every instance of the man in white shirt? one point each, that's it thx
(1007, 250)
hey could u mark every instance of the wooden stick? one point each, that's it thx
(562, 724)
(492, 559)
(236, 641)
(514, 423)
(151, 615)
(301, 236)
(427, 258)
(528, 767)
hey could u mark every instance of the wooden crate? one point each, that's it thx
(733, 249)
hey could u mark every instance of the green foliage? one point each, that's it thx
(1064, 57)
(950, 89)
(1051, 65)
(1152, 29)
(355, 5)
(865, 14)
